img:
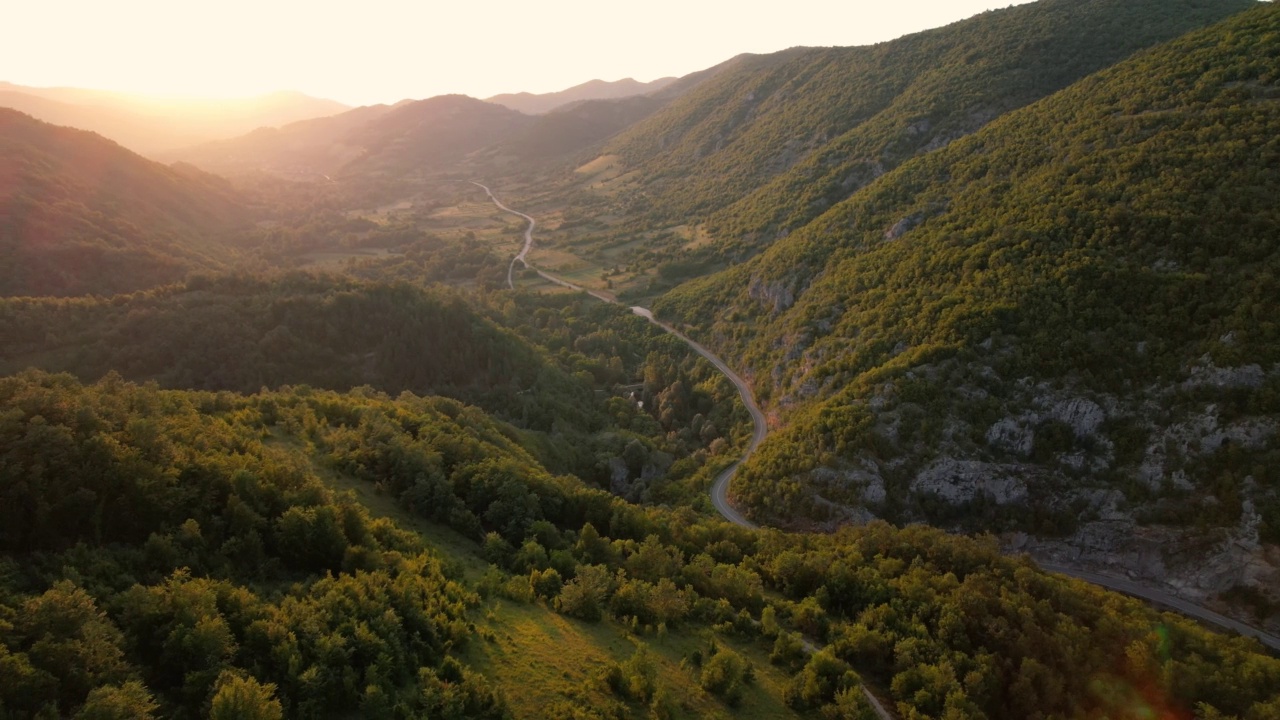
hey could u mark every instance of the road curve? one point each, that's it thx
(528, 237)
(720, 488)
(760, 428)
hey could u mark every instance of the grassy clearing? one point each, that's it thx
(550, 659)
(335, 259)
(540, 658)
(602, 164)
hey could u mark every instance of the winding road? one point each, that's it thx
(760, 428)
(720, 488)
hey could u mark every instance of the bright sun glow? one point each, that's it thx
(388, 50)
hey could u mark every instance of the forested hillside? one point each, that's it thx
(80, 214)
(181, 554)
(409, 138)
(535, 363)
(1059, 320)
(1005, 287)
(243, 333)
(433, 134)
(416, 138)
(773, 142)
(572, 129)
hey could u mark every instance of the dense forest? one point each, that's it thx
(285, 444)
(179, 553)
(770, 144)
(1113, 244)
(243, 333)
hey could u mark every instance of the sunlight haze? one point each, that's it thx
(388, 50)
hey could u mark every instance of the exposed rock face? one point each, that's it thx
(866, 481)
(903, 226)
(1083, 416)
(775, 295)
(1197, 435)
(1194, 566)
(960, 481)
(1012, 436)
(1017, 434)
(1068, 452)
(1248, 376)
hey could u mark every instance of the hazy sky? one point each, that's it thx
(386, 50)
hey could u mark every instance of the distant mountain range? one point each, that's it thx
(150, 124)
(537, 104)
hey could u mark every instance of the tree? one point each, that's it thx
(244, 698)
(725, 674)
(66, 636)
(546, 584)
(130, 701)
(583, 597)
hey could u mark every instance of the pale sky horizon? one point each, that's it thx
(390, 50)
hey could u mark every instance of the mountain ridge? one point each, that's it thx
(153, 124)
(772, 141)
(541, 103)
(82, 214)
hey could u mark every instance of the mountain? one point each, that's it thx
(1057, 325)
(150, 124)
(80, 214)
(410, 137)
(307, 149)
(531, 104)
(575, 128)
(770, 142)
(419, 136)
(433, 134)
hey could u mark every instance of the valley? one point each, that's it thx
(720, 486)
(934, 378)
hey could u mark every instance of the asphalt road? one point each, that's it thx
(720, 488)
(528, 237)
(760, 428)
(1129, 587)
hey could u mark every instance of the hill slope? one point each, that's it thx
(80, 214)
(433, 134)
(308, 149)
(410, 137)
(570, 130)
(242, 333)
(1059, 318)
(155, 124)
(184, 554)
(776, 139)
